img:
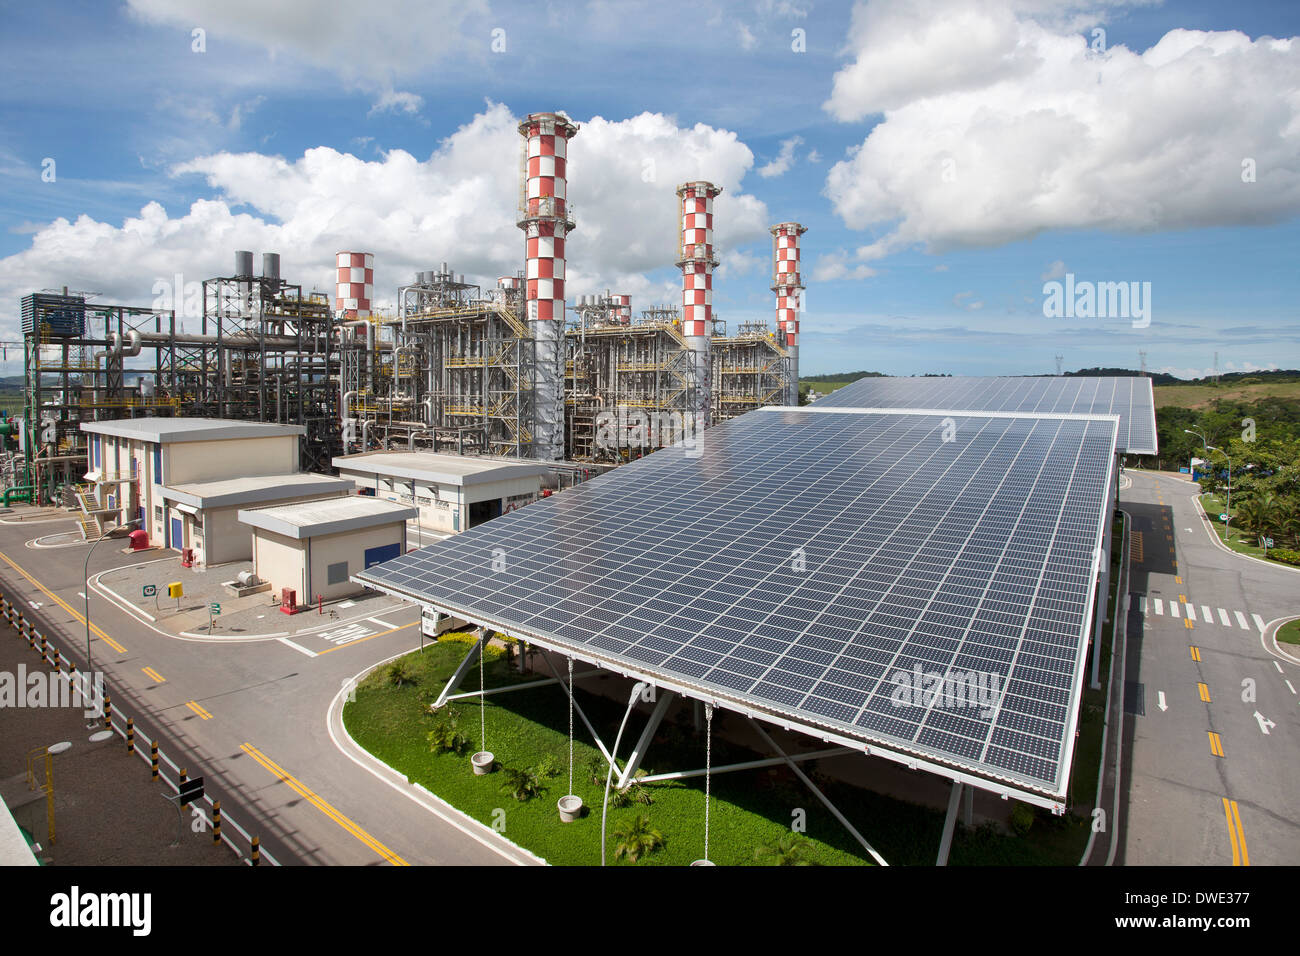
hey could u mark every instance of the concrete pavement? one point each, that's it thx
(1209, 781)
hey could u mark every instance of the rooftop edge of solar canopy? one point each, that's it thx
(1134, 403)
(691, 590)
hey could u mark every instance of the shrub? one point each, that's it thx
(1022, 818)
(1285, 556)
(636, 838)
(789, 849)
(525, 784)
(446, 735)
(634, 792)
(399, 673)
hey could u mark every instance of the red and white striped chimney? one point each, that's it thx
(787, 283)
(355, 284)
(545, 221)
(696, 261)
(621, 308)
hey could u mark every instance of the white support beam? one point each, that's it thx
(949, 824)
(462, 669)
(749, 765)
(818, 794)
(662, 704)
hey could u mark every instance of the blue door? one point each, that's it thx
(178, 535)
(384, 552)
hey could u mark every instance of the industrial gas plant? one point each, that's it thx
(504, 371)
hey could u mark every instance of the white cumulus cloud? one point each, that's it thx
(1000, 122)
(784, 159)
(457, 205)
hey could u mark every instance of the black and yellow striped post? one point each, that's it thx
(58, 661)
(153, 760)
(216, 823)
(185, 775)
(108, 712)
(45, 651)
(19, 625)
(256, 858)
(130, 735)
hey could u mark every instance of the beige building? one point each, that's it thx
(210, 509)
(451, 492)
(134, 461)
(313, 548)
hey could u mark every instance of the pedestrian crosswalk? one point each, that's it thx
(1188, 610)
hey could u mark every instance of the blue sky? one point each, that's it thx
(948, 159)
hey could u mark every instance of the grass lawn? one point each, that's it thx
(1204, 396)
(1289, 633)
(749, 808)
(1239, 541)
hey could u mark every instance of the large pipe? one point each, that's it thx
(546, 223)
(787, 283)
(696, 261)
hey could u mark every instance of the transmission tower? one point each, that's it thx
(1142, 355)
(1058, 363)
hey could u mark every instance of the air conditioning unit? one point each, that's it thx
(187, 557)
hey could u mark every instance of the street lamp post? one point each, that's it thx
(1227, 502)
(86, 591)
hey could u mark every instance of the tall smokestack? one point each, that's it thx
(356, 284)
(696, 261)
(787, 283)
(545, 221)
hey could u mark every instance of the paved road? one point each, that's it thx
(249, 716)
(1205, 784)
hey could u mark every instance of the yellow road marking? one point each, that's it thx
(1204, 691)
(1177, 580)
(1187, 623)
(1235, 833)
(1182, 599)
(154, 675)
(339, 647)
(194, 706)
(94, 629)
(1216, 744)
(302, 791)
(1196, 653)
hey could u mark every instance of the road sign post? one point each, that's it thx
(213, 609)
(151, 590)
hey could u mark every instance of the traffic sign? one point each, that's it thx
(214, 607)
(191, 790)
(1223, 517)
(150, 590)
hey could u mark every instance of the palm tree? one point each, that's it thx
(1288, 520)
(636, 838)
(1258, 515)
(789, 849)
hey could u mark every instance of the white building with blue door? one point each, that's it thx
(151, 469)
(312, 548)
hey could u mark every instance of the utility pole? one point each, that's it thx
(1142, 356)
(1058, 364)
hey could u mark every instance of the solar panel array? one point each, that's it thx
(1131, 398)
(824, 566)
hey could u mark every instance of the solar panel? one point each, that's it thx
(1129, 397)
(917, 582)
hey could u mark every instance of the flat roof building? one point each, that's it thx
(451, 492)
(314, 547)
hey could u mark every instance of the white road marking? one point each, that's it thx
(1207, 613)
(1142, 603)
(1259, 622)
(1288, 685)
(346, 635)
(1279, 667)
(1173, 608)
(1162, 705)
(1223, 616)
(1241, 619)
(1265, 725)
(1160, 605)
(298, 647)
(1191, 612)
(391, 627)
(81, 594)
